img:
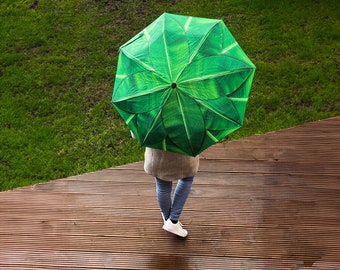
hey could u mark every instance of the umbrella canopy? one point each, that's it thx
(182, 84)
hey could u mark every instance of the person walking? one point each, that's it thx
(167, 167)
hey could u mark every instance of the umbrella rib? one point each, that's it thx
(153, 124)
(218, 113)
(187, 23)
(212, 136)
(216, 75)
(201, 43)
(167, 53)
(184, 121)
(228, 48)
(156, 118)
(130, 118)
(144, 65)
(164, 145)
(238, 99)
(154, 90)
(197, 49)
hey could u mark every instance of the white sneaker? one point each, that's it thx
(175, 228)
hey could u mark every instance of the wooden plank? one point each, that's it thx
(289, 168)
(247, 202)
(202, 178)
(108, 260)
(268, 179)
(278, 245)
(146, 193)
(106, 227)
(151, 230)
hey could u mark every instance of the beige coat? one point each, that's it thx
(168, 165)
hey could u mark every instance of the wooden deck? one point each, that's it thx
(262, 203)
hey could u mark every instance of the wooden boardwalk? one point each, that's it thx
(267, 202)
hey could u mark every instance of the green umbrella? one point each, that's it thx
(182, 84)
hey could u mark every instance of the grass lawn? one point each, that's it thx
(58, 60)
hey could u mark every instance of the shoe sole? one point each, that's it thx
(183, 236)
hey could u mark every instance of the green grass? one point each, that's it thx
(58, 59)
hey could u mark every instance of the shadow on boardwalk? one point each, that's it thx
(266, 202)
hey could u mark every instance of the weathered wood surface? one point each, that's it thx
(266, 202)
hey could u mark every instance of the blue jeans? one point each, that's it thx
(173, 209)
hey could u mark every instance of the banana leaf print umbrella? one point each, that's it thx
(182, 84)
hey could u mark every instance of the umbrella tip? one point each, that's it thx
(173, 85)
